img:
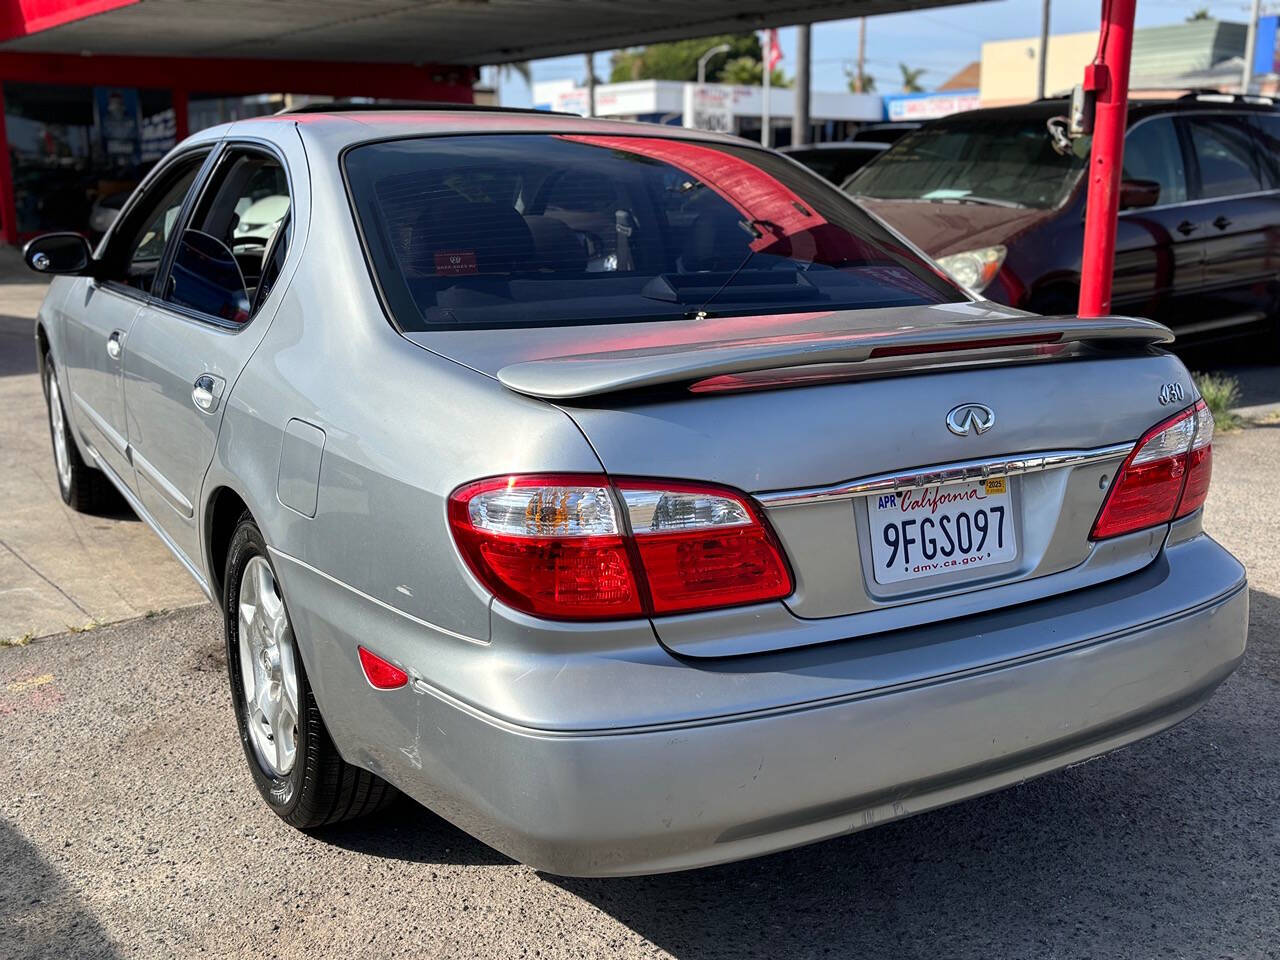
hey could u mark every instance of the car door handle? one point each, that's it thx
(205, 392)
(1222, 223)
(113, 344)
(1186, 228)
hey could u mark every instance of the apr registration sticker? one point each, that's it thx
(934, 530)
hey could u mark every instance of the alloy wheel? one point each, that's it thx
(268, 669)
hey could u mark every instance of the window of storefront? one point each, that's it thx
(77, 151)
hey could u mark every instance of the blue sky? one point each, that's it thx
(941, 40)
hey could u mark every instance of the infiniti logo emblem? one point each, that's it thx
(970, 418)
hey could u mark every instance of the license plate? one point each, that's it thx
(934, 530)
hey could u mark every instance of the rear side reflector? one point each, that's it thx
(1165, 477)
(381, 674)
(579, 547)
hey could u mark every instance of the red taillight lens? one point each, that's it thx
(1166, 476)
(380, 673)
(702, 547)
(560, 546)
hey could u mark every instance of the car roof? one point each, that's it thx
(338, 129)
(1138, 108)
(871, 146)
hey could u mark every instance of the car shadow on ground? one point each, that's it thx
(40, 916)
(407, 831)
(1108, 859)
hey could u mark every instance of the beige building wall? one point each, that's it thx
(1010, 67)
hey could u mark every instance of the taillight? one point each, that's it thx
(579, 547)
(1165, 477)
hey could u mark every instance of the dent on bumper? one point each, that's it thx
(693, 793)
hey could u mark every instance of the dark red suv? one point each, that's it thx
(991, 199)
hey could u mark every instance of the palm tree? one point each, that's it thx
(911, 78)
(518, 68)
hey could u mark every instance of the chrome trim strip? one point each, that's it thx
(965, 471)
(109, 433)
(171, 494)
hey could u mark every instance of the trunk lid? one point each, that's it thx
(818, 457)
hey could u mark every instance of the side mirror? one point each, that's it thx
(59, 253)
(1138, 193)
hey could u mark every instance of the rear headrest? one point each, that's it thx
(556, 246)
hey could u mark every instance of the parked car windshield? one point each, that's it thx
(974, 158)
(526, 230)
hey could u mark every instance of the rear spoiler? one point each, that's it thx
(724, 365)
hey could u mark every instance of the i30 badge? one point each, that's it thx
(970, 418)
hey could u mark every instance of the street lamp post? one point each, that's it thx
(702, 60)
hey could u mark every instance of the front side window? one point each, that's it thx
(975, 158)
(134, 251)
(1225, 156)
(527, 230)
(1152, 152)
(231, 243)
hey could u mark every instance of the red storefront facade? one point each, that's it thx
(78, 128)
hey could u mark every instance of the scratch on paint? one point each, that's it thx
(523, 675)
(415, 754)
(18, 686)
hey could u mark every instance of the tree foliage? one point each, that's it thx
(868, 81)
(678, 60)
(911, 78)
(746, 72)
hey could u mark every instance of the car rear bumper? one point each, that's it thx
(690, 793)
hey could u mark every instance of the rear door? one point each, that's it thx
(99, 314)
(188, 345)
(1158, 253)
(1235, 212)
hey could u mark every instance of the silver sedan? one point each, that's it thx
(626, 495)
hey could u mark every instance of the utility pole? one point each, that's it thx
(862, 55)
(1251, 41)
(800, 122)
(1044, 49)
(591, 85)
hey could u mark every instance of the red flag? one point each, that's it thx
(772, 51)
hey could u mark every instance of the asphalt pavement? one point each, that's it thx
(129, 827)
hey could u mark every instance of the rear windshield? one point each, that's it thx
(529, 230)
(977, 159)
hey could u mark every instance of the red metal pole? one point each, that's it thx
(8, 204)
(1108, 77)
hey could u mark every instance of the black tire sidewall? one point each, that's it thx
(282, 794)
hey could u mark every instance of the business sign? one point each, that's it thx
(928, 106)
(709, 107)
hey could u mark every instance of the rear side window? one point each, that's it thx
(1152, 152)
(528, 230)
(1226, 156)
(234, 239)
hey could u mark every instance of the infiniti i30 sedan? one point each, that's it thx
(627, 495)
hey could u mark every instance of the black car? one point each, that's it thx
(991, 198)
(837, 161)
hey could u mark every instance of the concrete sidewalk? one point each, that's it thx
(59, 569)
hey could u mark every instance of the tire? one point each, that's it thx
(83, 488)
(309, 785)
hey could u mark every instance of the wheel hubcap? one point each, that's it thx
(268, 669)
(58, 429)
